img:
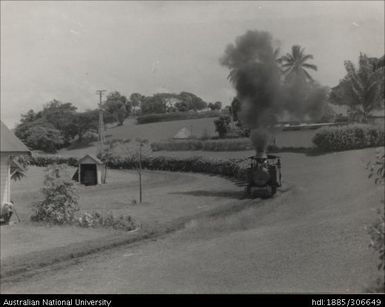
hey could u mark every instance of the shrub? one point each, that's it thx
(222, 125)
(376, 231)
(348, 137)
(164, 117)
(95, 219)
(89, 136)
(377, 238)
(241, 129)
(60, 202)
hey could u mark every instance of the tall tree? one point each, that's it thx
(118, 106)
(61, 116)
(192, 101)
(153, 104)
(86, 121)
(136, 101)
(362, 89)
(215, 106)
(30, 116)
(40, 135)
(294, 64)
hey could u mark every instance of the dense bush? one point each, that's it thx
(222, 125)
(348, 137)
(60, 198)
(96, 219)
(164, 117)
(56, 126)
(205, 145)
(377, 229)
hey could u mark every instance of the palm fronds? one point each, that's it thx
(295, 63)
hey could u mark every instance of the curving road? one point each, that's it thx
(310, 238)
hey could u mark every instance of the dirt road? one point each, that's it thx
(310, 238)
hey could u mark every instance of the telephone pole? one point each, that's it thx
(101, 123)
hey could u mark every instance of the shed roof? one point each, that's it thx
(97, 161)
(10, 143)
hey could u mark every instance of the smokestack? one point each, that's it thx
(259, 138)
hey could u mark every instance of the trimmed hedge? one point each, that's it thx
(205, 145)
(228, 168)
(349, 137)
(44, 161)
(165, 117)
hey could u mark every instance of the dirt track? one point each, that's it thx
(312, 238)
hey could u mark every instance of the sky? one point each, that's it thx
(67, 50)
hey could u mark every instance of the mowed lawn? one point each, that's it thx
(313, 228)
(163, 203)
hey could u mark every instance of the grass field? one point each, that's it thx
(162, 131)
(315, 224)
(162, 204)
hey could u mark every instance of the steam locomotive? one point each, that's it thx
(263, 176)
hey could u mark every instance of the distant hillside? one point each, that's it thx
(154, 132)
(161, 130)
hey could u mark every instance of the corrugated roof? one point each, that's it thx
(92, 157)
(9, 142)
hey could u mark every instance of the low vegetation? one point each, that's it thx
(204, 145)
(228, 168)
(376, 231)
(349, 137)
(59, 205)
(222, 125)
(44, 161)
(96, 219)
(60, 198)
(164, 117)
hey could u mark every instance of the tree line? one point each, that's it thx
(58, 124)
(361, 89)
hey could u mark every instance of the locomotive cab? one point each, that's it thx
(264, 176)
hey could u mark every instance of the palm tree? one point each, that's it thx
(361, 89)
(295, 64)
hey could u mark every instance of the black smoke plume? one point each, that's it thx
(256, 77)
(263, 91)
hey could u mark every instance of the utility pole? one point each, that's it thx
(141, 143)
(140, 173)
(101, 123)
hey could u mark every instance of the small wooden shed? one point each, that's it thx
(91, 171)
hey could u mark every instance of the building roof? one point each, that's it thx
(10, 143)
(97, 161)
